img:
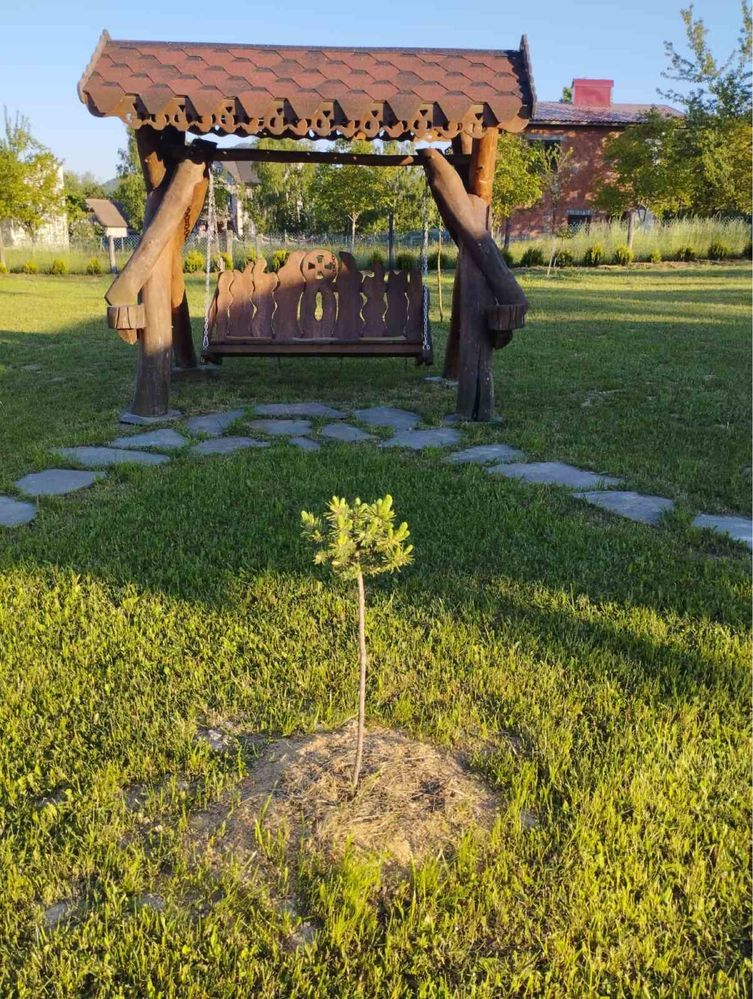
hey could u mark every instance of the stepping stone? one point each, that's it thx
(345, 433)
(634, 506)
(56, 481)
(305, 443)
(282, 428)
(439, 380)
(483, 454)
(555, 473)
(387, 416)
(226, 445)
(213, 424)
(13, 512)
(102, 457)
(737, 528)
(313, 409)
(148, 421)
(168, 439)
(416, 440)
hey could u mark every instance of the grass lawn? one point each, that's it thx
(594, 671)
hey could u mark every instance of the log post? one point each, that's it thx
(462, 145)
(184, 351)
(483, 161)
(475, 349)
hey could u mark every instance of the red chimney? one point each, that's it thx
(592, 93)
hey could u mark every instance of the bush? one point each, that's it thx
(194, 261)
(654, 257)
(406, 261)
(3, 268)
(508, 258)
(251, 255)
(29, 267)
(685, 253)
(564, 258)
(623, 256)
(58, 266)
(376, 258)
(593, 255)
(447, 262)
(278, 259)
(93, 266)
(747, 250)
(533, 257)
(221, 262)
(718, 251)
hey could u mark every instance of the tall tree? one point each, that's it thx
(130, 190)
(349, 194)
(77, 187)
(518, 179)
(281, 201)
(30, 187)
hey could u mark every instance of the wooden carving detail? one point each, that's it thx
(316, 299)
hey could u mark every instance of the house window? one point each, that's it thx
(578, 220)
(550, 146)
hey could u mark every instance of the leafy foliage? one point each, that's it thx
(718, 251)
(130, 191)
(29, 180)
(532, 257)
(593, 256)
(194, 261)
(518, 176)
(358, 539)
(623, 255)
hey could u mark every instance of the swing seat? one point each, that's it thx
(319, 305)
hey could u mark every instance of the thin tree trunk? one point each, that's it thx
(362, 679)
(391, 241)
(439, 276)
(353, 234)
(630, 229)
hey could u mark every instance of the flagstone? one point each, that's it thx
(416, 440)
(102, 457)
(57, 481)
(634, 506)
(554, 473)
(213, 424)
(165, 438)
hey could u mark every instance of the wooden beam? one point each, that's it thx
(184, 351)
(255, 155)
(483, 161)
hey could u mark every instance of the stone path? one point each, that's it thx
(294, 423)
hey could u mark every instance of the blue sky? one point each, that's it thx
(45, 45)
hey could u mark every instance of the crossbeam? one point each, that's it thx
(334, 157)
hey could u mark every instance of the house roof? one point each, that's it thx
(243, 172)
(559, 113)
(296, 91)
(106, 213)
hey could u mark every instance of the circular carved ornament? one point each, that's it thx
(319, 265)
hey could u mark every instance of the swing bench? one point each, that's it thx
(318, 305)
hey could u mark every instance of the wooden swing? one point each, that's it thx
(317, 304)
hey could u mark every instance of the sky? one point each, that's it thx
(46, 44)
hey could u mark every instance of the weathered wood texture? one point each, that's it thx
(483, 161)
(236, 155)
(317, 304)
(184, 352)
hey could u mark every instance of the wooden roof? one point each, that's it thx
(296, 91)
(106, 213)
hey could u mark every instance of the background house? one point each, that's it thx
(108, 217)
(583, 127)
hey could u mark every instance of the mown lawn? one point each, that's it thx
(594, 671)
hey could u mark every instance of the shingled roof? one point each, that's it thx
(324, 92)
(560, 113)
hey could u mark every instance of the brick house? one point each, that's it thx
(582, 126)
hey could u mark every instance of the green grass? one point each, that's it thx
(616, 655)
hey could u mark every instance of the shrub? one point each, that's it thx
(447, 262)
(194, 261)
(593, 255)
(508, 258)
(654, 257)
(30, 267)
(251, 255)
(533, 257)
(278, 259)
(564, 258)
(359, 540)
(718, 251)
(406, 261)
(3, 268)
(93, 266)
(747, 250)
(58, 266)
(222, 262)
(376, 258)
(685, 253)
(623, 256)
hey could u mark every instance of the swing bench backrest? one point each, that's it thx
(318, 304)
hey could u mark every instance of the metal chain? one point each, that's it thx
(211, 235)
(426, 343)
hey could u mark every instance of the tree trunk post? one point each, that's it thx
(361, 680)
(475, 378)
(462, 145)
(184, 351)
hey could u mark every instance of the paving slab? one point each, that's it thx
(485, 454)
(439, 380)
(282, 428)
(634, 506)
(167, 439)
(313, 409)
(148, 421)
(345, 433)
(305, 443)
(226, 445)
(213, 424)
(14, 512)
(737, 528)
(555, 473)
(387, 416)
(56, 481)
(417, 440)
(103, 457)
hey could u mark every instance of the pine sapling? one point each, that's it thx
(358, 541)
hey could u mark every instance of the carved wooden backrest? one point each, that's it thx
(317, 297)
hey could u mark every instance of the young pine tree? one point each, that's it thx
(357, 541)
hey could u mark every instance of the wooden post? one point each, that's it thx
(475, 349)
(111, 253)
(483, 161)
(184, 351)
